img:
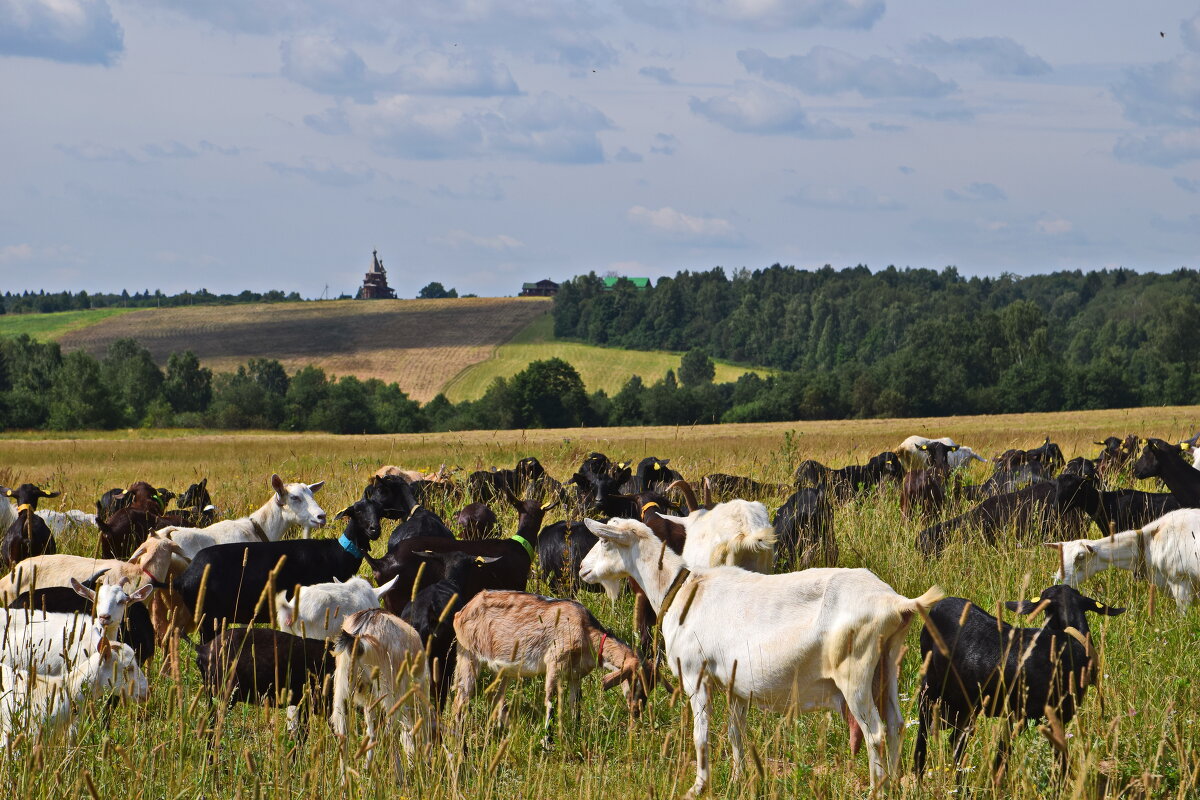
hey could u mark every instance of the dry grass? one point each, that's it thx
(419, 344)
(1136, 738)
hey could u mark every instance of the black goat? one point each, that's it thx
(924, 490)
(431, 613)
(488, 486)
(845, 483)
(1122, 510)
(135, 630)
(28, 535)
(561, 548)
(1083, 467)
(1165, 461)
(1033, 509)
(256, 665)
(476, 521)
(1048, 454)
(1115, 456)
(977, 665)
(394, 496)
(514, 557)
(236, 583)
(195, 506)
(126, 528)
(804, 530)
(652, 475)
(421, 523)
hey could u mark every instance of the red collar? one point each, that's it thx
(147, 574)
(600, 652)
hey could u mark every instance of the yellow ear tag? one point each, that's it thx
(658, 466)
(1035, 599)
(1099, 604)
(478, 559)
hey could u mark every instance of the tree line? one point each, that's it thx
(911, 342)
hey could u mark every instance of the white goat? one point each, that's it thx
(914, 457)
(45, 704)
(1167, 547)
(49, 643)
(737, 533)
(291, 504)
(380, 664)
(59, 521)
(317, 611)
(154, 560)
(800, 641)
(524, 635)
(8, 513)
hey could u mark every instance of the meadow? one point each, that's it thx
(1133, 737)
(50, 327)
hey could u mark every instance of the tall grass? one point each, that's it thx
(1133, 737)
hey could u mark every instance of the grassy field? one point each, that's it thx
(1136, 737)
(420, 344)
(600, 367)
(50, 327)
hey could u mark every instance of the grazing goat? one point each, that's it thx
(45, 704)
(28, 535)
(804, 530)
(653, 475)
(1166, 461)
(317, 611)
(912, 457)
(515, 634)
(1083, 467)
(380, 666)
(1116, 455)
(195, 506)
(737, 534)
(561, 547)
(1121, 510)
(290, 504)
(397, 501)
(1030, 511)
(237, 582)
(846, 483)
(60, 521)
(489, 486)
(924, 490)
(1167, 549)
(514, 557)
(819, 638)
(432, 610)
(978, 665)
(153, 561)
(257, 665)
(476, 521)
(123, 615)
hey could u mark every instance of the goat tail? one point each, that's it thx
(756, 542)
(926, 601)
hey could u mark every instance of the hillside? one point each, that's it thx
(420, 344)
(604, 368)
(50, 327)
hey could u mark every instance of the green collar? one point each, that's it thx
(521, 540)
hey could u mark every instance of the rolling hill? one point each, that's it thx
(426, 346)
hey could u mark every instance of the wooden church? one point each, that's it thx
(375, 285)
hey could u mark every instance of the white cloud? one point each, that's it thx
(74, 31)
(682, 227)
(15, 252)
(664, 144)
(627, 156)
(325, 65)
(89, 151)
(1053, 226)
(325, 172)
(843, 198)
(453, 73)
(1166, 93)
(170, 149)
(996, 55)
(1187, 184)
(660, 74)
(546, 128)
(824, 70)
(1159, 149)
(460, 238)
(758, 14)
(976, 193)
(755, 108)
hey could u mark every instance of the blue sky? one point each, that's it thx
(233, 144)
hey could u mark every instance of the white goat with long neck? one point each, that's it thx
(800, 641)
(1168, 548)
(291, 504)
(44, 704)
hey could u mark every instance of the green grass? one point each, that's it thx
(1135, 737)
(604, 368)
(48, 327)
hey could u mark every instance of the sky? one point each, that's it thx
(273, 144)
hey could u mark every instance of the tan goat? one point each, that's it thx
(523, 635)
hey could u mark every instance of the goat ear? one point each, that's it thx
(481, 560)
(1096, 607)
(141, 594)
(676, 520)
(49, 494)
(551, 505)
(1031, 606)
(82, 590)
(316, 487)
(276, 483)
(345, 512)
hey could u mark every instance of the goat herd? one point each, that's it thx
(739, 598)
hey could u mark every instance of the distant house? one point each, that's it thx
(610, 282)
(543, 288)
(375, 285)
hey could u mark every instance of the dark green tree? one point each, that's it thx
(134, 380)
(548, 394)
(696, 368)
(79, 399)
(435, 291)
(187, 386)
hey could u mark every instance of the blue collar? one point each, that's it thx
(350, 547)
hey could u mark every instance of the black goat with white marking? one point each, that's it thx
(977, 665)
(28, 535)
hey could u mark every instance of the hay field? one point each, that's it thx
(420, 344)
(604, 368)
(51, 327)
(1136, 737)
